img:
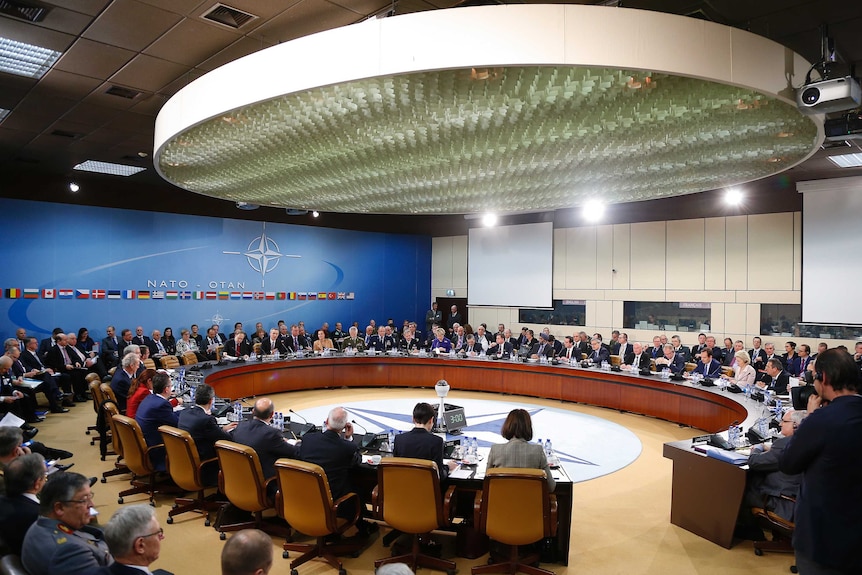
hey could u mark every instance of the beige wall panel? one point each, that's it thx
(735, 319)
(637, 295)
(604, 257)
(648, 249)
(797, 250)
(441, 263)
(560, 264)
(716, 326)
(604, 318)
(752, 322)
(769, 296)
(581, 258)
(622, 257)
(704, 296)
(685, 255)
(736, 254)
(580, 294)
(770, 239)
(591, 312)
(714, 243)
(459, 264)
(617, 314)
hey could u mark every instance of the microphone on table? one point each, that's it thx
(366, 439)
(364, 430)
(304, 421)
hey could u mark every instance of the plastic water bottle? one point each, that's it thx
(192, 391)
(276, 355)
(549, 448)
(237, 411)
(391, 440)
(474, 448)
(542, 443)
(732, 435)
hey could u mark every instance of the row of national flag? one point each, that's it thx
(128, 294)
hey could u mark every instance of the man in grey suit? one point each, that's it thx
(61, 541)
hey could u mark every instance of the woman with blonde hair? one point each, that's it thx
(744, 373)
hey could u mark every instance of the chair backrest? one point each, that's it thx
(690, 366)
(257, 347)
(189, 358)
(652, 365)
(409, 494)
(304, 498)
(727, 370)
(149, 363)
(110, 410)
(241, 477)
(96, 392)
(135, 453)
(108, 393)
(515, 505)
(169, 362)
(219, 349)
(184, 463)
(91, 377)
(11, 565)
(615, 360)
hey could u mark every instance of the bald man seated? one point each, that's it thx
(267, 441)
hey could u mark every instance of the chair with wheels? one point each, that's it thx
(109, 410)
(108, 393)
(169, 362)
(149, 363)
(241, 480)
(137, 457)
(515, 508)
(185, 468)
(615, 361)
(782, 530)
(690, 366)
(409, 500)
(96, 394)
(189, 358)
(305, 502)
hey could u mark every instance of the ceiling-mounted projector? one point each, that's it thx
(836, 95)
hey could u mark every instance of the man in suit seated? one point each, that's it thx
(61, 361)
(247, 552)
(353, 341)
(11, 399)
(420, 443)
(656, 350)
(334, 450)
(202, 426)
(623, 347)
(267, 441)
(273, 343)
(513, 341)
(92, 364)
(19, 508)
(295, 341)
(670, 360)
(779, 378)
(680, 349)
(48, 385)
(134, 538)
(706, 365)
(638, 359)
(471, 348)
(110, 348)
(211, 344)
(582, 343)
(46, 344)
(569, 352)
(237, 348)
(139, 337)
(408, 342)
(125, 341)
(61, 540)
(502, 349)
(156, 410)
(599, 353)
(765, 484)
(157, 347)
(122, 379)
(757, 354)
(542, 348)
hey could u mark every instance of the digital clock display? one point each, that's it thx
(455, 419)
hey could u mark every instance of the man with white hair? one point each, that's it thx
(334, 450)
(122, 379)
(134, 538)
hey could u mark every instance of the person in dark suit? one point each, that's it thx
(599, 352)
(211, 343)
(825, 450)
(334, 450)
(582, 343)
(471, 346)
(48, 385)
(377, 341)
(804, 360)
(91, 364)
(269, 345)
(757, 355)
(194, 333)
(110, 350)
(122, 379)
(670, 360)
(267, 441)
(125, 341)
(656, 350)
(699, 346)
(156, 410)
(454, 317)
(707, 366)
(237, 347)
(139, 338)
(780, 378)
(248, 552)
(61, 361)
(502, 349)
(134, 538)
(680, 349)
(542, 347)
(19, 508)
(433, 316)
(46, 344)
(24, 406)
(61, 540)
(409, 343)
(569, 351)
(638, 359)
(623, 347)
(420, 443)
(202, 426)
(295, 341)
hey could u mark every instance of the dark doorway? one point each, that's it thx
(444, 304)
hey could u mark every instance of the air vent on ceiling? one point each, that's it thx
(29, 11)
(127, 93)
(227, 16)
(66, 134)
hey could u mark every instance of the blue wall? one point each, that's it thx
(67, 247)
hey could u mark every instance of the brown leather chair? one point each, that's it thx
(727, 370)
(137, 457)
(184, 466)
(189, 358)
(96, 394)
(782, 531)
(257, 347)
(91, 377)
(515, 508)
(109, 410)
(615, 360)
(108, 393)
(305, 502)
(690, 366)
(241, 480)
(409, 500)
(169, 362)
(149, 363)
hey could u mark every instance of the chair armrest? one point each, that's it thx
(375, 503)
(344, 498)
(151, 447)
(448, 507)
(554, 518)
(477, 510)
(279, 505)
(221, 481)
(210, 460)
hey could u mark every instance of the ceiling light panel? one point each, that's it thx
(108, 168)
(505, 139)
(842, 161)
(3, 113)
(24, 59)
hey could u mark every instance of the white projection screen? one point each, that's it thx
(511, 266)
(831, 242)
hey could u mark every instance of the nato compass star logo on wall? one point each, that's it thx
(262, 255)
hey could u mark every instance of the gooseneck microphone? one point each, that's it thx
(312, 427)
(298, 415)
(364, 430)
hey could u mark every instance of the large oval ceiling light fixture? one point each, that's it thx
(543, 108)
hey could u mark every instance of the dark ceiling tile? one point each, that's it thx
(306, 18)
(132, 25)
(93, 59)
(91, 115)
(150, 105)
(25, 32)
(240, 48)
(13, 88)
(191, 42)
(101, 97)
(148, 74)
(70, 85)
(45, 105)
(90, 7)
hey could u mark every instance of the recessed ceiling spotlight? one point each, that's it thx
(733, 196)
(593, 211)
(315, 214)
(247, 206)
(142, 154)
(489, 220)
(73, 187)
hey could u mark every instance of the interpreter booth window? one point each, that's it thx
(667, 316)
(777, 319)
(564, 312)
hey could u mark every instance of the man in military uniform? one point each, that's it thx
(61, 541)
(354, 341)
